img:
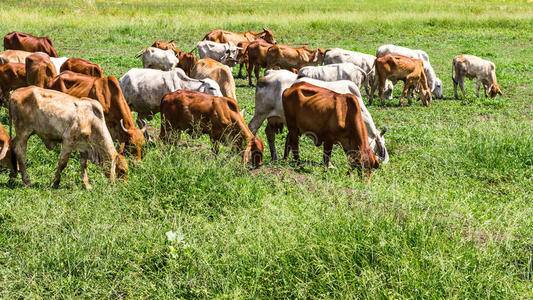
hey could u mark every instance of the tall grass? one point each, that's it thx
(449, 217)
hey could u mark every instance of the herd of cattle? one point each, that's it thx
(69, 101)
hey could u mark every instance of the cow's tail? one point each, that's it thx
(10, 112)
(195, 49)
(453, 71)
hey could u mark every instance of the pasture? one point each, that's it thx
(450, 216)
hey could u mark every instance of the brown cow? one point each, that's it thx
(224, 36)
(16, 56)
(292, 59)
(82, 66)
(396, 67)
(118, 116)
(256, 56)
(220, 73)
(39, 69)
(217, 116)
(60, 118)
(12, 77)
(329, 118)
(187, 60)
(27, 42)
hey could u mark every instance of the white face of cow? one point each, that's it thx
(437, 91)
(230, 54)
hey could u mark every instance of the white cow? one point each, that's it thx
(418, 54)
(361, 60)
(334, 72)
(471, 66)
(58, 62)
(225, 53)
(155, 58)
(144, 88)
(268, 105)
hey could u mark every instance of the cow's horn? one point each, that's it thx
(122, 125)
(171, 41)
(383, 131)
(242, 111)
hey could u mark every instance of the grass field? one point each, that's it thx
(451, 215)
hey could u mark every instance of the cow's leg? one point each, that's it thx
(271, 138)
(240, 70)
(83, 165)
(462, 86)
(478, 84)
(257, 70)
(405, 90)
(20, 144)
(455, 82)
(485, 90)
(66, 149)
(249, 69)
(328, 146)
(372, 90)
(367, 88)
(214, 146)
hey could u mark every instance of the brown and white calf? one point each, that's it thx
(60, 118)
(398, 67)
(471, 67)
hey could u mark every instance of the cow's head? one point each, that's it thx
(319, 55)
(494, 90)
(437, 91)
(136, 142)
(254, 152)
(378, 146)
(121, 167)
(231, 52)
(209, 86)
(268, 36)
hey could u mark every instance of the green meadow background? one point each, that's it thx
(450, 216)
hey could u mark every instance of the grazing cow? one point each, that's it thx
(16, 56)
(362, 60)
(417, 54)
(6, 158)
(221, 74)
(334, 72)
(471, 66)
(398, 67)
(27, 42)
(60, 118)
(82, 66)
(155, 58)
(58, 62)
(256, 55)
(292, 59)
(12, 77)
(39, 69)
(117, 113)
(144, 88)
(268, 105)
(224, 36)
(225, 53)
(329, 118)
(217, 116)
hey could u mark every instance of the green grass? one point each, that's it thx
(450, 216)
